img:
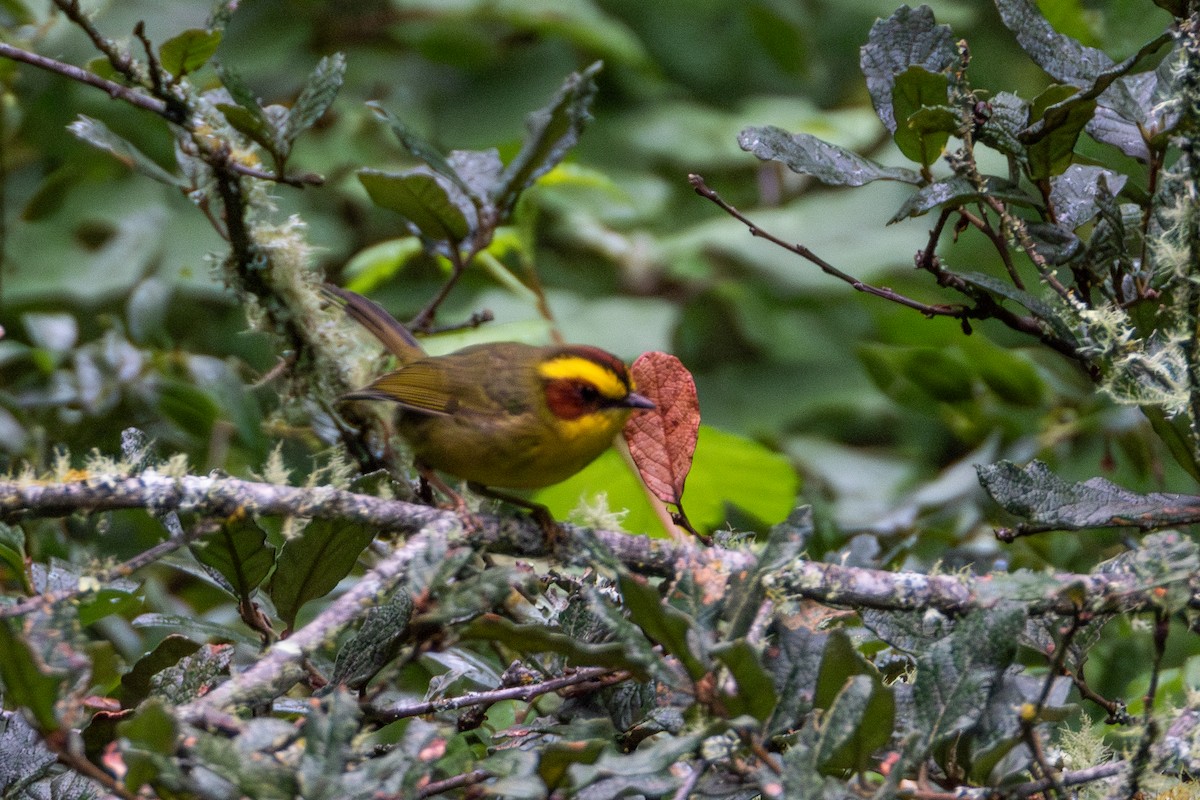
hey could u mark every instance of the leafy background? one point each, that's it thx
(114, 317)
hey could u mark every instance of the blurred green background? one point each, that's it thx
(113, 318)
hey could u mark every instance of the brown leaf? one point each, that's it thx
(663, 439)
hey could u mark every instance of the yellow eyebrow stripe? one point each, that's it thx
(574, 368)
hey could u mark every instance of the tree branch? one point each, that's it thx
(603, 676)
(828, 583)
(702, 189)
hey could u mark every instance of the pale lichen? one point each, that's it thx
(594, 512)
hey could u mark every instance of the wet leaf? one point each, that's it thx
(1047, 501)
(662, 440)
(908, 38)
(98, 135)
(188, 51)
(805, 154)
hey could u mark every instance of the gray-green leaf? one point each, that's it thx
(807, 155)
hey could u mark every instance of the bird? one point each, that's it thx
(498, 415)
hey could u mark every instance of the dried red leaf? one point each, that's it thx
(663, 439)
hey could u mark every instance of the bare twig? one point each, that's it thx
(124, 569)
(702, 189)
(424, 320)
(139, 99)
(435, 788)
(591, 678)
(112, 88)
(283, 664)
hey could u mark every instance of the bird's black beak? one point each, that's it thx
(635, 400)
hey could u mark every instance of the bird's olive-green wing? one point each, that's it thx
(420, 386)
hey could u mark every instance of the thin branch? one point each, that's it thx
(702, 189)
(424, 320)
(139, 99)
(857, 587)
(119, 61)
(113, 89)
(68, 757)
(689, 784)
(282, 665)
(594, 677)
(1117, 713)
(123, 570)
(450, 784)
(1029, 789)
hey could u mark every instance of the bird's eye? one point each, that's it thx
(589, 394)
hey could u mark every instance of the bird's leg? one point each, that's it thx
(541, 514)
(430, 478)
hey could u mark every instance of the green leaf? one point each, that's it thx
(913, 376)
(1009, 374)
(1036, 494)
(726, 470)
(372, 266)
(237, 552)
(97, 134)
(908, 38)
(956, 191)
(999, 729)
(378, 640)
(311, 564)
(256, 127)
(1076, 193)
(327, 734)
(662, 623)
(940, 373)
(418, 147)
(795, 662)
(248, 117)
(1176, 434)
(840, 661)
(198, 629)
(152, 728)
(859, 722)
(424, 201)
(194, 675)
(755, 690)
(238, 89)
(807, 155)
(1007, 115)
(27, 681)
(956, 674)
(1060, 115)
(923, 122)
(24, 758)
(188, 51)
(1061, 56)
(135, 684)
(1135, 115)
(12, 551)
(552, 131)
(531, 638)
(557, 757)
(317, 95)
(188, 406)
(1040, 308)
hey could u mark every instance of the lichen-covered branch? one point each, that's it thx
(282, 665)
(828, 583)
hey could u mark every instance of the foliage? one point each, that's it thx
(311, 633)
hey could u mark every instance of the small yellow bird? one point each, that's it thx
(501, 414)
